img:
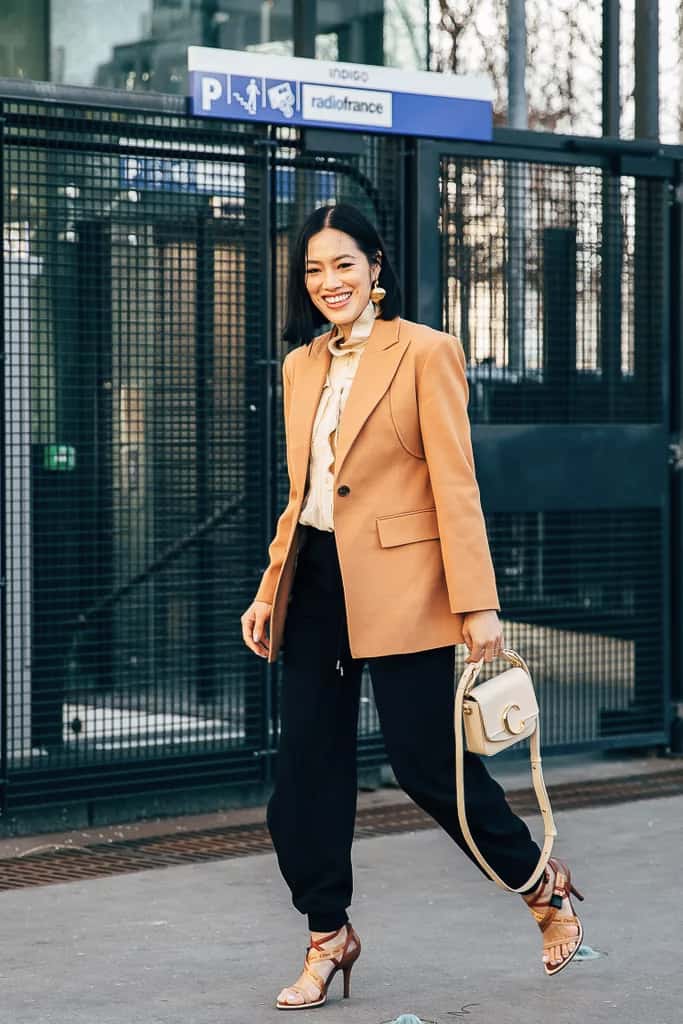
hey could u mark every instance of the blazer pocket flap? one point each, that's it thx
(407, 527)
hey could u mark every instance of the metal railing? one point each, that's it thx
(144, 270)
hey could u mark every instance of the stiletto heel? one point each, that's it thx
(547, 909)
(342, 957)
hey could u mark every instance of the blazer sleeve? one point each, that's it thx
(278, 545)
(443, 395)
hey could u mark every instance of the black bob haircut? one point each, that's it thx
(303, 318)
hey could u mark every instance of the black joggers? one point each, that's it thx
(312, 810)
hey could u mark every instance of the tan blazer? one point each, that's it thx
(409, 528)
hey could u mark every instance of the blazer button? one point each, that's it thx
(343, 490)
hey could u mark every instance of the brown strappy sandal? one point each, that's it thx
(550, 919)
(343, 961)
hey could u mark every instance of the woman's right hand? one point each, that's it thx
(255, 631)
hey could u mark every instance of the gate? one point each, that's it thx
(143, 291)
(555, 267)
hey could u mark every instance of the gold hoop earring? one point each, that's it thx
(377, 293)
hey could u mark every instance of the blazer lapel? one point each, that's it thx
(378, 364)
(308, 387)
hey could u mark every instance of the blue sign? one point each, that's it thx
(355, 97)
(211, 177)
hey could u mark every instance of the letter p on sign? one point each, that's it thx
(212, 90)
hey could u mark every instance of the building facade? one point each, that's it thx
(141, 45)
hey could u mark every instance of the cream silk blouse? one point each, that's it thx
(317, 509)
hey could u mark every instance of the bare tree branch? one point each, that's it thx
(563, 57)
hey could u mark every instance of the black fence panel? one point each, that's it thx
(145, 265)
(553, 337)
(554, 275)
(144, 278)
(134, 339)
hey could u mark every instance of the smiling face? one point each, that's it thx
(338, 276)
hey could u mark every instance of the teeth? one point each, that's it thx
(337, 299)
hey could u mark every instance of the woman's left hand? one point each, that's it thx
(483, 634)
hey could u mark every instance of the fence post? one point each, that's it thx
(424, 274)
(270, 370)
(676, 463)
(3, 511)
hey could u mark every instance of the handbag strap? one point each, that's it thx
(466, 683)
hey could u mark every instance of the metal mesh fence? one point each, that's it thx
(554, 280)
(132, 359)
(581, 598)
(145, 267)
(558, 309)
(145, 262)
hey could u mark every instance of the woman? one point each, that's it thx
(381, 555)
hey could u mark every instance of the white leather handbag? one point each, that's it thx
(495, 714)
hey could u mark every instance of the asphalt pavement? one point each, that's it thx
(212, 943)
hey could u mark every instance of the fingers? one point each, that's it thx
(487, 649)
(490, 649)
(476, 651)
(255, 629)
(262, 639)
